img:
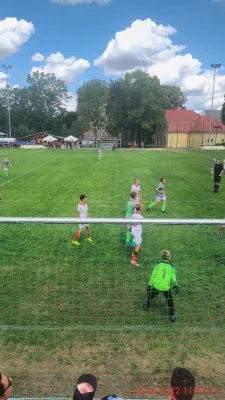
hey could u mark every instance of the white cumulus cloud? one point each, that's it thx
(74, 2)
(137, 47)
(148, 46)
(67, 69)
(13, 34)
(3, 81)
(38, 57)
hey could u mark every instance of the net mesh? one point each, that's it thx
(67, 310)
(107, 143)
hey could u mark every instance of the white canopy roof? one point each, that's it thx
(49, 138)
(71, 139)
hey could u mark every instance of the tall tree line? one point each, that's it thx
(132, 106)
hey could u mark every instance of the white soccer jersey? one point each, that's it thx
(136, 188)
(136, 227)
(83, 210)
(224, 164)
(100, 153)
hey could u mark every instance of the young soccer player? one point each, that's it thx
(163, 274)
(136, 231)
(5, 165)
(130, 209)
(212, 163)
(114, 146)
(99, 154)
(83, 214)
(160, 196)
(218, 169)
(136, 188)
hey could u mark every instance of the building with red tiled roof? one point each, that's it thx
(188, 129)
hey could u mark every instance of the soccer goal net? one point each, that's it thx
(67, 310)
(107, 143)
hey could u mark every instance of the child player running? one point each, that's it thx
(5, 165)
(83, 214)
(160, 196)
(130, 209)
(136, 188)
(99, 154)
(136, 232)
(212, 163)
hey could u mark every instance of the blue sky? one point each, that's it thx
(179, 55)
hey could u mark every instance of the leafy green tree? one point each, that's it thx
(91, 104)
(134, 106)
(76, 129)
(69, 118)
(223, 113)
(46, 93)
(173, 97)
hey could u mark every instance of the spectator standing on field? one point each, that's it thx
(114, 146)
(218, 169)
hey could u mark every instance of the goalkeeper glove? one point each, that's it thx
(177, 289)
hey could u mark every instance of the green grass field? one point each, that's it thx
(68, 310)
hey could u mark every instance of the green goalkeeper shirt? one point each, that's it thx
(129, 208)
(162, 276)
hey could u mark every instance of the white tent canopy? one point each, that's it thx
(3, 134)
(49, 138)
(71, 139)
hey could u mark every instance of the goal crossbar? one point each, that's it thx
(111, 221)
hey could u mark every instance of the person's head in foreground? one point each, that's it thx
(165, 255)
(85, 388)
(112, 397)
(218, 160)
(139, 207)
(182, 384)
(6, 388)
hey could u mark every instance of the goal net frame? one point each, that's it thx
(51, 330)
(106, 144)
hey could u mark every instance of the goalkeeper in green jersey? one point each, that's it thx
(163, 275)
(130, 209)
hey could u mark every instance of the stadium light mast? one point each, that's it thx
(7, 67)
(215, 67)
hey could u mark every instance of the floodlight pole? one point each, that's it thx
(214, 66)
(7, 67)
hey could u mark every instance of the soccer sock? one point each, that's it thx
(134, 255)
(163, 206)
(76, 237)
(151, 205)
(128, 236)
(88, 234)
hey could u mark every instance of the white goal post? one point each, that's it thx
(107, 143)
(113, 221)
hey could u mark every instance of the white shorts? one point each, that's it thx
(83, 226)
(160, 198)
(137, 238)
(6, 169)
